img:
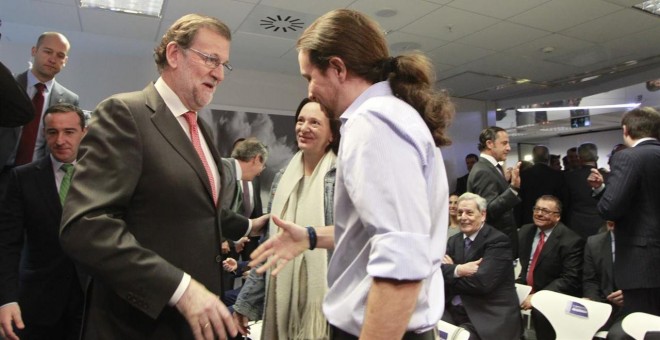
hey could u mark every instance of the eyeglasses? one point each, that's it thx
(544, 211)
(212, 61)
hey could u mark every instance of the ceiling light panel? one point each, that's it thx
(141, 7)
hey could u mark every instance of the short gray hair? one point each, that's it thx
(248, 149)
(468, 196)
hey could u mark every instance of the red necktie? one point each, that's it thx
(537, 252)
(28, 139)
(191, 118)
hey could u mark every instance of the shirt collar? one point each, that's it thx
(378, 89)
(57, 164)
(642, 140)
(32, 80)
(239, 171)
(490, 158)
(170, 98)
(474, 236)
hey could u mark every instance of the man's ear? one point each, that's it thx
(337, 66)
(172, 54)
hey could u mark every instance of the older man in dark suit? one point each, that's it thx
(22, 145)
(487, 180)
(631, 198)
(40, 294)
(479, 287)
(142, 214)
(551, 257)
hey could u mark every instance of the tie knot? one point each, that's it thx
(40, 87)
(468, 242)
(191, 117)
(66, 167)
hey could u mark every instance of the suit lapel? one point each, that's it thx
(551, 242)
(606, 251)
(171, 130)
(45, 179)
(477, 244)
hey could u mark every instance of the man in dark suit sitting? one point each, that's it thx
(480, 291)
(551, 257)
(40, 293)
(631, 198)
(598, 284)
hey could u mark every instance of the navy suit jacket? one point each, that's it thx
(559, 266)
(487, 181)
(489, 296)
(30, 216)
(9, 137)
(580, 206)
(632, 200)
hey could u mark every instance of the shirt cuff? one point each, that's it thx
(9, 303)
(400, 256)
(598, 190)
(249, 229)
(178, 293)
(456, 272)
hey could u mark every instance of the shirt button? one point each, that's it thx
(218, 259)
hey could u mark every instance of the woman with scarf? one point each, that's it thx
(302, 192)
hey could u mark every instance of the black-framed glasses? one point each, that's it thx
(212, 61)
(544, 211)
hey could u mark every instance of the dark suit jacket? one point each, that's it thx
(535, 182)
(461, 184)
(580, 206)
(559, 266)
(229, 189)
(15, 106)
(139, 214)
(486, 181)
(34, 271)
(632, 200)
(489, 297)
(598, 278)
(9, 137)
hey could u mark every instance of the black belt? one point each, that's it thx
(338, 334)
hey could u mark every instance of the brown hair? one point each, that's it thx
(183, 31)
(361, 44)
(642, 122)
(335, 124)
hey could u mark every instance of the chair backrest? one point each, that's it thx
(637, 324)
(571, 317)
(522, 291)
(447, 331)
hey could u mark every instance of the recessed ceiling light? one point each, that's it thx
(142, 7)
(548, 49)
(277, 22)
(386, 13)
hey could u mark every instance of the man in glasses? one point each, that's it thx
(143, 213)
(551, 258)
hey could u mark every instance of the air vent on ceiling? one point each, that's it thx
(276, 23)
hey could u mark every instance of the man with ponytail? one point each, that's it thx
(391, 195)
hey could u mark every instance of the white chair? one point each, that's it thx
(447, 331)
(637, 324)
(572, 318)
(523, 291)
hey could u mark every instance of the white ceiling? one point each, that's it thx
(480, 47)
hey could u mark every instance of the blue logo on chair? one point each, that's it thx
(443, 335)
(577, 309)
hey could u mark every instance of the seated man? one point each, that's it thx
(551, 258)
(479, 287)
(598, 283)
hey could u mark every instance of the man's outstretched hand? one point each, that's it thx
(291, 241)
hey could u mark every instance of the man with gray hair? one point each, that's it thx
(582, 216)
(480, 293)
(248, 160)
